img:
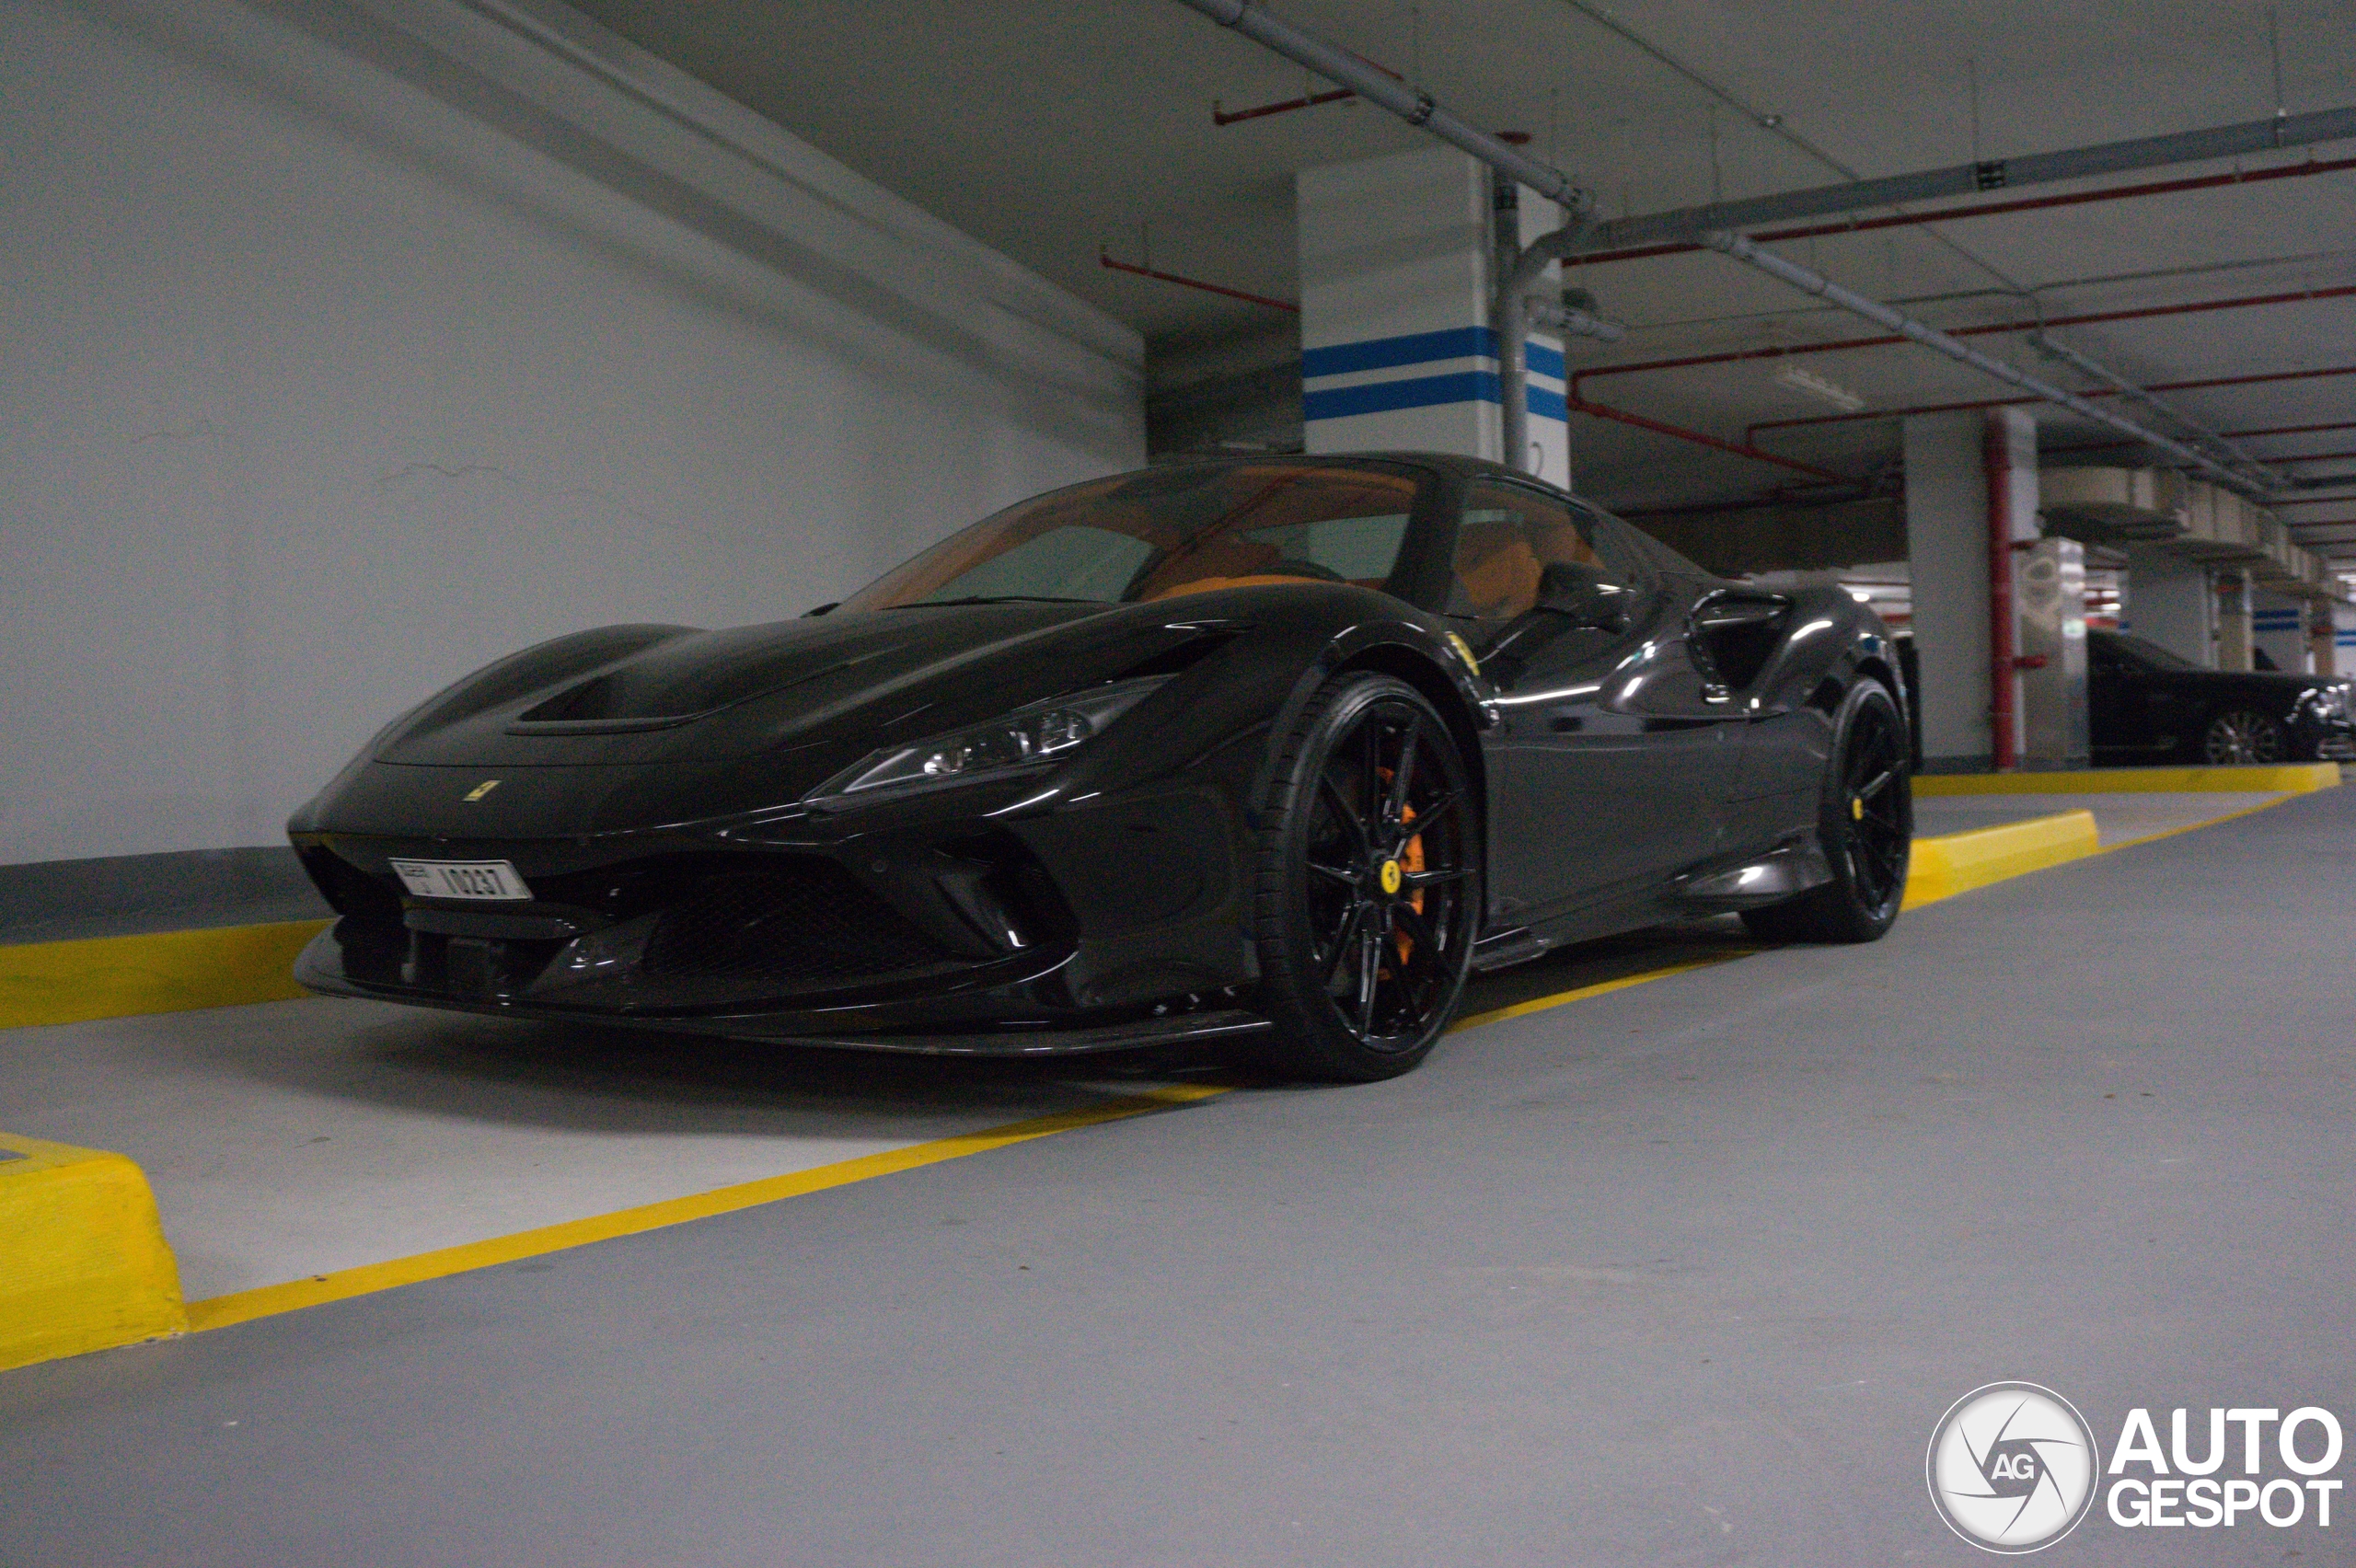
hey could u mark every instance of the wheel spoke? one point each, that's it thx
(1394, 807)
(1436, 878)
(1343, 939)
(1370, 945)
(1423, 948)
(1881, 781)
(1342, 874)
(1359, 845)
(1429, 815)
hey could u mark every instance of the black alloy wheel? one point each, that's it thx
(2240, 736)
(1370, 883)
(1866, 826)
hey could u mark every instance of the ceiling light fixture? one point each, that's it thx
(1806, 383)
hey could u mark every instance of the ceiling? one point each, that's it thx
(1055, 129)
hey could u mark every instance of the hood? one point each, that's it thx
(712, 695)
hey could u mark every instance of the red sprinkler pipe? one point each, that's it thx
(1891, 340)
(1752, 434)
(1222, 117)
(1308, 100)
(1196, 283)
(1659, 427)
(1993, 209)
(1996, 452)
(2237, 435)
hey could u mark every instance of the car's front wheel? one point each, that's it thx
(2239, 735)
(1866, 826)
(1368, 895)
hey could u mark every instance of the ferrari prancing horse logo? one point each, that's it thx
(1391, 876)
(479, 791)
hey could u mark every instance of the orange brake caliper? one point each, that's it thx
(1411, 859)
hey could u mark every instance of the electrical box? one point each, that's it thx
(2050, 640)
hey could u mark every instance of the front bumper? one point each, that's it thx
(948, 930)
(909, 1027)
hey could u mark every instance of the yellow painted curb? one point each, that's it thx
(263, 1301)
(162, 972)
(1958, 862)
(2293, 779)
(83, 1260)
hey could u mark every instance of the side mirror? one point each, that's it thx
(1583, 597)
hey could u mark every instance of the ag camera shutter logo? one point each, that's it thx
(2012, 1466)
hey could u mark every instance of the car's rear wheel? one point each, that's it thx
(2238, 735)
(1369, 883)
(1866, 826)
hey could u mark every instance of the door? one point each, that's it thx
(1614, 758)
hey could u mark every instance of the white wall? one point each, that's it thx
(347, 344)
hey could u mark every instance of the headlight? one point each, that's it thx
(1041, 732)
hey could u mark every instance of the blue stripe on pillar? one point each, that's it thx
(1415, 392)
(1388, 354)
(1419, 348)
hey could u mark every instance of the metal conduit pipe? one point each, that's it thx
(2239, 176)
(1975, 179)
(2082, 318)
(2085, 365)
(1408, 101)
(1573, 323)
(1807, 282)
(1419, 109)
(2200, 383)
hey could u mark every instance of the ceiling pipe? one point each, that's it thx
(1288, 106)
(1403, 98)
(1556, 318)
(1711, 224)
(1105, 260)
(1699, 438)
(2085, 364)
(2084, 318)
(1797, 276)
(2254, 136)
(2203, 384)
(1419, 109)
(2307, 170)
(1699, 225)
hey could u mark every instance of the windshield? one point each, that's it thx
(1164, 532)
(2149, 654)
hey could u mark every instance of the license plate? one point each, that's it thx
(461, 879)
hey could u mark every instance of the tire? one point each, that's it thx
(1364, 921)
(2237, 735)
(1866, 826)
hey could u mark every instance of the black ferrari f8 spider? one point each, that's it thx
(1280, 748)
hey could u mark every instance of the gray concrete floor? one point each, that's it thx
(1684, 1272)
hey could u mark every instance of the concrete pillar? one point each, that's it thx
(1397, 274)
(2233, 621)
(1952, 519)
(2277, 624)
(1947, 551)
(2343, 640)
(2168, 603)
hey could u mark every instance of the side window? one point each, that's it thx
(1507, 538)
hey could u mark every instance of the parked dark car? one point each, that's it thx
(2144, 704)
(1278, 747)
